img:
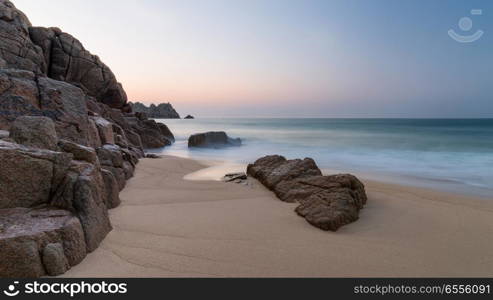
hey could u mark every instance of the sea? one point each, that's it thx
(454, 155)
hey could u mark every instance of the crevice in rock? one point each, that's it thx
(36, 80)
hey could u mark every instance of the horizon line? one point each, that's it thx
(376, 118)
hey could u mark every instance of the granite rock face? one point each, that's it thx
(112, 189)
(68, 143)
(54, 259)
(36, 177)
(160, 111)
(37, 132)
(79, 152)
(26, 94)
(271, 170)
(153, 134)
(55, 54)
(25, 234)
(326, 202)
(105, 129)
(88, 201)
(334, 200)
(16, 48)
(216, 139)
(29, 177)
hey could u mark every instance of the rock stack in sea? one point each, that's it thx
(68, 142)
(160, 111)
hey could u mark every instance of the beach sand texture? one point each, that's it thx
(171, 227)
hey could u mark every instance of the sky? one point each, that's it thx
(289, 58)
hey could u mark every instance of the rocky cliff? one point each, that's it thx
(160, 111)
(69, 141)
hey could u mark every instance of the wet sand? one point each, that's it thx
(171, 227)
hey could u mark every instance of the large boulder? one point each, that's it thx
(134, 139)
(166, 132)
(216, 139)
(36, 132)
(94, 140)
(79, 152)
(105, 129)
(333, 201)
(90, 204)
(84, 192)
(112, 189)
(16, 48)
(67, 60)
(19, 96)
(110, 155)
(151, 133)
(58, 55)
(118, 174)
(54, 259)
(27, 94)
(31, 177)
(119, 162)
(139, 131)
(271, 170)
(25, 235)
(326, 202)
(66, 105)
(28, 177)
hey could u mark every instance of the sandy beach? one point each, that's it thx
(167, 226)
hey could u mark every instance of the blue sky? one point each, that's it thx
(356, 58)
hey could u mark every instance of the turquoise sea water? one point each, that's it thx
(451, 154)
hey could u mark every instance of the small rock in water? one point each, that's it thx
(153, 156)
(213, 139)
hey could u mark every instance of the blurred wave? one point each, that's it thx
(456, 154)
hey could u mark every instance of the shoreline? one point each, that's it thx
(433, 154)
(214, 170)
(170, 227)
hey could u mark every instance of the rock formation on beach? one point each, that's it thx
(160, 111)
(327, 202)
(57, 55)
(189, 117)
(217, 139)
(69, 141)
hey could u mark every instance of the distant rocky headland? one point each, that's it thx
(160, 111)
(69, 141)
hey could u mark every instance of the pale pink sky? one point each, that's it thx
(314, 58)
